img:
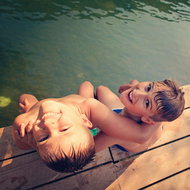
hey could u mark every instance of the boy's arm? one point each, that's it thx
(103, 141)
(119, 126)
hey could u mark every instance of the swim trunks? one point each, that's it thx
(117, 110)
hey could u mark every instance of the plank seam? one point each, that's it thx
(18, 155)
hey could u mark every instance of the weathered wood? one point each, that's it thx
(98, 178)
(153, 165)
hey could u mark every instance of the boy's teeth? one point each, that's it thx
(130, 96)
(37, 122)
(48, 114)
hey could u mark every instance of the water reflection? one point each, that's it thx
(174, 11)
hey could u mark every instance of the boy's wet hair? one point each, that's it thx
(75, 161)
(170, 101)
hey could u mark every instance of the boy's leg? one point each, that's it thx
(107, 97)
(86, 90)
(26, 101)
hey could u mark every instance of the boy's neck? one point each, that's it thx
(125, 113)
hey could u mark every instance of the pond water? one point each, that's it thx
(49, 47)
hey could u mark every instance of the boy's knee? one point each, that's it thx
(22, 97)
(100, 89)
(87, 85)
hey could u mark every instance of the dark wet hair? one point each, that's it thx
(75, 161)
(170, 101)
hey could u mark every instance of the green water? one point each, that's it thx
(48, 48)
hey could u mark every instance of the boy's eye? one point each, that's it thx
(147, 103)
(149, 87)
(43, 139)
(64, 129)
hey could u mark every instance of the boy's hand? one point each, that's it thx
(127, 86)
(25, 133)
(124, 87)
(24, 106)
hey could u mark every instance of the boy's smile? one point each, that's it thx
(49, 114)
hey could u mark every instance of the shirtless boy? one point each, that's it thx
(147, 103)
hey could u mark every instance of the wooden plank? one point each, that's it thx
(98, 178)
(176, 182)
(153, 166)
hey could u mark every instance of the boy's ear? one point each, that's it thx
(147, 120)
(86, 121)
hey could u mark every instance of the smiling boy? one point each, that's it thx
(57, 129)
(147, 103)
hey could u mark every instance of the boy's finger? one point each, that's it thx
(17, 134)
(26, 102)
(19, 137)
(21, 107)
(29, 132)
(120, 89)
(29, 126)
(30, 138)
(22, 130)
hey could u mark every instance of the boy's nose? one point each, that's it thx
(140, 94)
(49, 124)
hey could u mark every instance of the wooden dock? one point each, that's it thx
(165, 165)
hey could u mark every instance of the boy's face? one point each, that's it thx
(59, 126)
(139, 99)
